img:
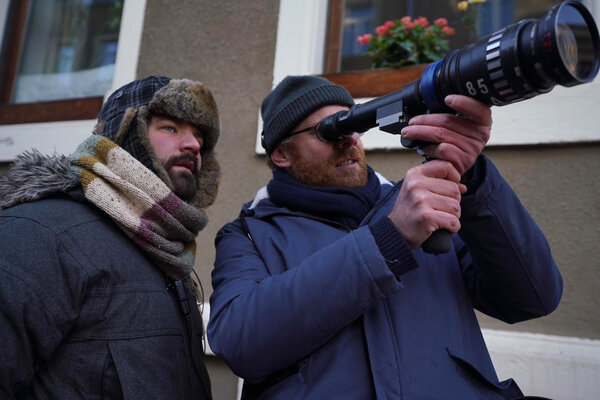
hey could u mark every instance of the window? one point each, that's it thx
(59, 135)
(352, 18)
(58, 58)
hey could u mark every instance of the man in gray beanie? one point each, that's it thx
(321, 290)
(97, 251)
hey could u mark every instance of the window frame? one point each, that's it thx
(566, 115)
(50, 132)
(46, 111)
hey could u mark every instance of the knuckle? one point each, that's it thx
(420, 199)
(440, 134)
(457, 225)
(454, 225)
(409, 185)
(486, 136)
(456, 208)
(427, 217)
(454, 192)
(411, 173)
(448, 119)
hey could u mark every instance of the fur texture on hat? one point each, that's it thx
(124, 119)
(294, 99)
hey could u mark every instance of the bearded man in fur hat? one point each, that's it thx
(97, 251)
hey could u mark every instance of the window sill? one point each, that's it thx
(376, 82)
(63, 110)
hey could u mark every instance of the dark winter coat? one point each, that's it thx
(304, 308)
(85, 315)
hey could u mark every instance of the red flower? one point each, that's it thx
(422, 21)
(441, 22)
(389, 24)
(381, 30)
(405, 20)
(364, 39)
(448, 31)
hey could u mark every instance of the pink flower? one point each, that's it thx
(364, 39)
(382, 30)
(405, 20)
(409, 26)
(448, 31)
(422, 21)
(441, 22)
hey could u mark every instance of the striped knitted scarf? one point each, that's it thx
(159, 222)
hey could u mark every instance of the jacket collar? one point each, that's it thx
(33, 176)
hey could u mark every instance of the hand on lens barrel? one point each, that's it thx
(429, 200)
(458, 139)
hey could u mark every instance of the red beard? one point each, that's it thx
(324, 173)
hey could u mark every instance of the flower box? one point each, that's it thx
(376, 82)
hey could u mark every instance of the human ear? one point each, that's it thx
(280, 157)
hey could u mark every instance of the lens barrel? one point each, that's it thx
(520, 61)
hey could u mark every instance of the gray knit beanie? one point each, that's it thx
(124, 117)
(294, 99)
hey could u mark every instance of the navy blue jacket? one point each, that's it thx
(304, 308)
(85, 315)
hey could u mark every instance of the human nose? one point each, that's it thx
(189, 142)
(347, 141)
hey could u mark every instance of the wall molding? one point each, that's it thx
(556, 367)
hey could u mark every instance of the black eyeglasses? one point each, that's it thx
(316, 130)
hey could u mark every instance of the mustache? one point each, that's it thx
(182, 157)
(344, 154)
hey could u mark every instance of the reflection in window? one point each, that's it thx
(357, 21)
(68, 51)
(362, 16)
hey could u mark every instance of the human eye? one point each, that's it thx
(168, 128)
(316, 130)
(200, 139)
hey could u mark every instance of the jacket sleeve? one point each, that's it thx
(36, 309)
(505, 258)
(262, 322)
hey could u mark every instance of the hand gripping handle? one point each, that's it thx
(439, 242)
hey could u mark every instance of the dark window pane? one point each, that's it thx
(68, 51)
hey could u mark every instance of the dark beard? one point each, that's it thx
(316, 173)
(185, 185)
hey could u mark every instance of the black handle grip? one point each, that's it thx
(439, 242)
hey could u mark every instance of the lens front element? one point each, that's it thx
(576, 44)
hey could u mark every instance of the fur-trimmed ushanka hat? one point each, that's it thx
(124, 120)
